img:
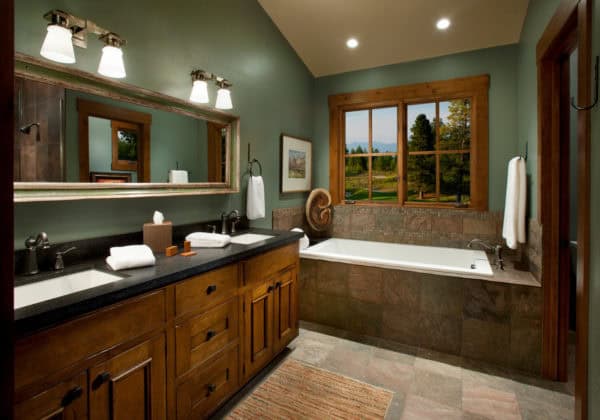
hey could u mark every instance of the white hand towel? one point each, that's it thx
(256, 198)
(133, 256)
(208, 240)
(304, 241)
(513, 229)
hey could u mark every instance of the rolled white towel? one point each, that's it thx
(132, 256)
(208, 240)
(304, 241)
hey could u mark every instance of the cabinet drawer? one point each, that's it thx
(207, 290)
(208, 386)
(38, 356)
(263, 266)
(67, 400)
(205, 335)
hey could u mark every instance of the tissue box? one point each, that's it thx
(158, 237)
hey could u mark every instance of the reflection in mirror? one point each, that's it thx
(67, 136)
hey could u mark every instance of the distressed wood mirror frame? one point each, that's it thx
(32, 68)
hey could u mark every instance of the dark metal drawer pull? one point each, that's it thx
(71, 396)
(211, 288)
(100, 379)
(278, 285)
(211, 388)
(270, 289)
(210, 334)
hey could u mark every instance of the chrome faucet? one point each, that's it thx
(234, 216)
(489, 247)
(31, 245)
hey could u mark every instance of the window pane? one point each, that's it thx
(385, 178)
(357, 132)
(455, 127)
(385, 130)
(455, 179)
(357, 178)
(421, 178)
(421, 127)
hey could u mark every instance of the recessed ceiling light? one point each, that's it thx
(443, 24)
(352, 43)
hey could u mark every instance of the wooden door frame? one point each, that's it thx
(570, 26)
(86, 109)
(7, 80)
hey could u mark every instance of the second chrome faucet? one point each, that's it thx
(234, 217)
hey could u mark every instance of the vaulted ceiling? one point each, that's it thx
(391, 31)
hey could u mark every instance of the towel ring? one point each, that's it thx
(251, 167)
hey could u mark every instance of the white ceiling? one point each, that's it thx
(391, 31)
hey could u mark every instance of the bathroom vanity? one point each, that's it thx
(172, 341)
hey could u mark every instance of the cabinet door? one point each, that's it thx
(131, 385)
(285, 326)
(67, 400)
(258, 331)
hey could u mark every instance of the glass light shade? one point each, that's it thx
(58, 45)
(223, 99)
(199, 92)
(111, 62)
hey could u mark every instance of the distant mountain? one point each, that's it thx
(381, 147)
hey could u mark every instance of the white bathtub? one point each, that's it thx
(425, 259)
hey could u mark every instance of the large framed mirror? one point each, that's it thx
(80, 136)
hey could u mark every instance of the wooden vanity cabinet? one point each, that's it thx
(178, 352)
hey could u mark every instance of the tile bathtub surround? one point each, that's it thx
(493, 322)
(289, 218)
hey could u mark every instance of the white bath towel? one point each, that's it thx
(256, 198)
(513, 229)
(208, 240)
(304, 241)
(132, 256)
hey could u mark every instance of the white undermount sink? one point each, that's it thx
(249, 238)
(40, 291)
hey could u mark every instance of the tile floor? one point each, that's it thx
(427, 384)
(431, 385)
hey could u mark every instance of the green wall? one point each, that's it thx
(594, 334)
(272, 93)
(173, 138)
(500, 63)
(538, 16)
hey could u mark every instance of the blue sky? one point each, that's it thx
(385, 123)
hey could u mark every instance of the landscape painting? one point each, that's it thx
(296, 164)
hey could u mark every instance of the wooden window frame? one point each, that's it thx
(475, 88)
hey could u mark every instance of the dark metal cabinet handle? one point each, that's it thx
(100, 379)
(211, 388)
(210, 289)
(71, 396)
(278, 285)
(270, 289)
(210, 334)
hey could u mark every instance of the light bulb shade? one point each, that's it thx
(223, 99)
(111, 62)
(199, 92)
(58, 45)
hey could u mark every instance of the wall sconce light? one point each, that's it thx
(223, 94)
(111, 62)
(66, 30)
(199, 92)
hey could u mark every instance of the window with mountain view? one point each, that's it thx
(420, 145)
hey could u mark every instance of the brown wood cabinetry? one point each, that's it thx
(178, 352)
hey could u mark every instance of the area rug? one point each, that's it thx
(299, 391)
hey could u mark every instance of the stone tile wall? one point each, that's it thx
(493, 322)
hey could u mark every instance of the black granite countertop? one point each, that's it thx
(167, 270)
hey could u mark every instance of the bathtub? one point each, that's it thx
(424, 259)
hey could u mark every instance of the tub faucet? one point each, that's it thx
(234, 216)
(31, 245)
(499, 263)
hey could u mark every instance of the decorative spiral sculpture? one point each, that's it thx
(318, 209)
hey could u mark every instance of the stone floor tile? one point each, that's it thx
(491, 403)
(393, 375)
(311, 350)
(419, 408)
(396, 407)
(442, 364)
(446, 390)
